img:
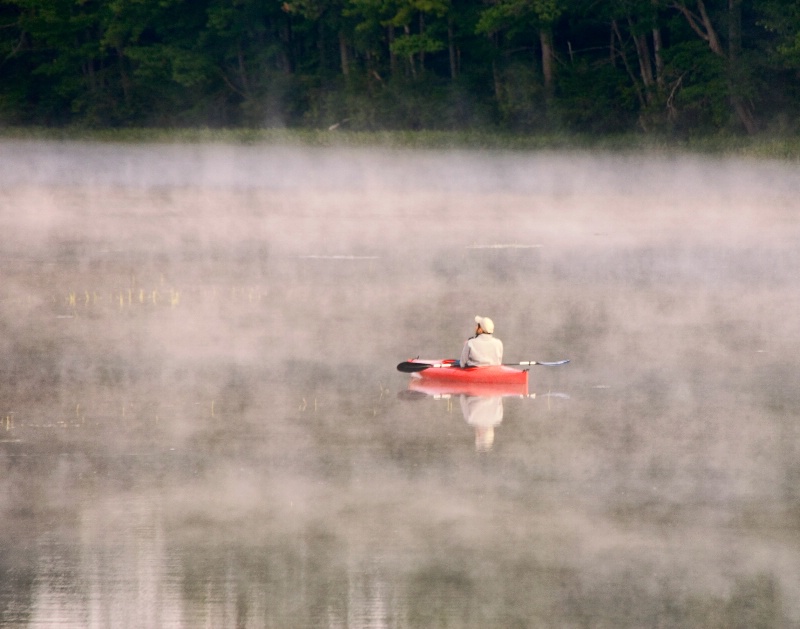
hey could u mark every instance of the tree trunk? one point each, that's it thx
(125, 80)
(498, 86)
(243, 72)
(321, 47)
(628, 69)
(744, 114)
(344, 55)
(713, 39)
(422, 52)
(645, 67)
(734, 29)
(546, 41)
(392, 56)
(451, 47)
(88, 72)
(657, 48)
(411, 61)
(612, 49)
(286, 55)
(701, 24)
(740, 107)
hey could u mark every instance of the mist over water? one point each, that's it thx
(202, 422)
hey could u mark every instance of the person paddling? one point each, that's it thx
(483, 348)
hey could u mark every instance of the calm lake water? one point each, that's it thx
(201, 423)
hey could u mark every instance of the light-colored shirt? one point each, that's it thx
(482, 350)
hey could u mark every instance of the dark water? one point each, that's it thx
(202, 424)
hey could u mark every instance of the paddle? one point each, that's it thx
(537, 362)
(411, 367)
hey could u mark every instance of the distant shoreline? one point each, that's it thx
(761, 147)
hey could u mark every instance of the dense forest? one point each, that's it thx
(597, 66)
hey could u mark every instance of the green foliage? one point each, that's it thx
(393, 64)
(511, 14)
(596, 99)
(520, 98)
(430, 103)
(782, 19)
(700, 86)
(408, 45)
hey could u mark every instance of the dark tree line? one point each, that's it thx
(677, 66)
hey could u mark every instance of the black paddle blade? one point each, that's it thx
(408, 367)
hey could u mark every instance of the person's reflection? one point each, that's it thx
(483, 413)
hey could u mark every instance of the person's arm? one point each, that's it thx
(464, 355)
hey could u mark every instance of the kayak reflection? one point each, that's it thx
(481, 403)
(477, 389)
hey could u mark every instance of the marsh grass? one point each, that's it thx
(762, 146)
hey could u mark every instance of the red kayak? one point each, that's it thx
(445, 371)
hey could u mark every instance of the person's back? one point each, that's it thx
(483, 349)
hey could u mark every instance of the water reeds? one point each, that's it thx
(171, 297)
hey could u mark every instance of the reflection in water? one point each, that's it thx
(372, 602)
(481, 403)
(484, 413)
(123, 576)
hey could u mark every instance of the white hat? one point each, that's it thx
(486, 324)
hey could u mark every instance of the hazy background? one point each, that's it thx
(200, 412)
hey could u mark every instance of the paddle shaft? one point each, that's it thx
(536, 362)
(412, 367)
